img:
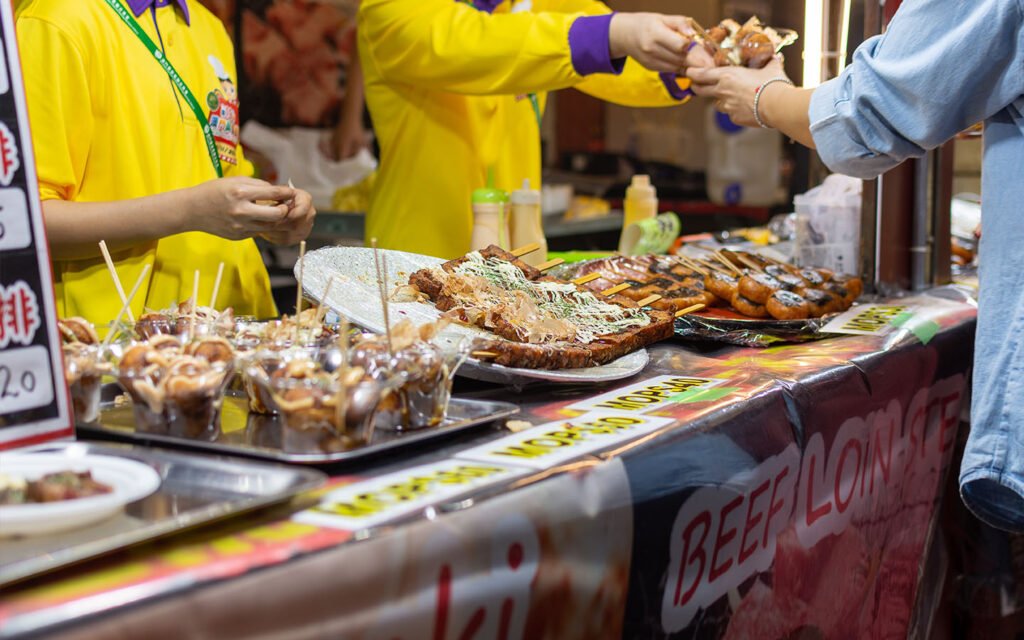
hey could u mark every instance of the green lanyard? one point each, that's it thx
(172, 73)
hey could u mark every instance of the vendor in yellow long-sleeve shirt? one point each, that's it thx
(454, 89)
(121, 156)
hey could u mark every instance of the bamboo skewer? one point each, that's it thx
(525, 249)
(195, 307)
(728, 263)
(342, 369)
(590, 277)
(689, 309)
(690, 264)
(750, 263)
(616, 289)
(651, 299)
(484, 354)
(715, 267)
(383, 287)
(124, 307)
(298, 289)
(115, 278)
(550, 264)
(216, 286)
(321, 309)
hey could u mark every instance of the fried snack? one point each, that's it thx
(786, 305)
(758, 287)
(748, 307)
(178, 321)
(751, 44)
(85, 364)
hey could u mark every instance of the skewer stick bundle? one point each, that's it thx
(750, 263)
(690, 264)
(715, 267)
(728, 263)
(382, 285)
(115, 278)
(124, 307)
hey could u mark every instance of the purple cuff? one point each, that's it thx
(588, 44)
(673, 88)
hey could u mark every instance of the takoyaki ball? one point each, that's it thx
(786, 305)
(717, 34)
(758, 287)
(748, 307)
(720, 284)
(841, 293)
(756, 50)
(212, 349)
(812, 277)
(791, 282)
(852, 283)
(820, 302)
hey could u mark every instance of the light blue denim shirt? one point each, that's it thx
(942, 66)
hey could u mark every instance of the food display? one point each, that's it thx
(745, 282)
(538, 321)
(51, 487)
(85, 364)
(751, 44)
(186, 318)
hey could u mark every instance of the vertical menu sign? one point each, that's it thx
(33, 394)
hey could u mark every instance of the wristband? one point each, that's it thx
(757, 98)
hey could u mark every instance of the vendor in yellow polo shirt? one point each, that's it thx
(455, 88)
(122, 156)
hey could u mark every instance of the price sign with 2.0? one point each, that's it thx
(24, 379)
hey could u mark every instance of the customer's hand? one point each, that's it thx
(733, 88)
(297, 224)
(658, 42)
(237, 208)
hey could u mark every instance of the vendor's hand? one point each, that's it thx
(656, 41)
(348, 139)
(733, 88)
(297, 224)
(237, 208)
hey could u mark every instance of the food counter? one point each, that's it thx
(722, 492)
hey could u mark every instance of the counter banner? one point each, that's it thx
(819, 526)
(33, 395)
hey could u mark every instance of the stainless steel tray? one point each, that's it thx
(194, 490)
(246, 434)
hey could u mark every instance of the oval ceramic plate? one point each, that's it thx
(354, 293)
(128, 479)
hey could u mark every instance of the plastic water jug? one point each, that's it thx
(743, 162)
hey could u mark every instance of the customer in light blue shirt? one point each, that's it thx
(942, 66)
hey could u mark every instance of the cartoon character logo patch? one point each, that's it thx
(223, 119)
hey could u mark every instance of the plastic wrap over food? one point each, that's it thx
(750, 333)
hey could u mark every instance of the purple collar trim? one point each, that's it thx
(487, 6)
(138, 6)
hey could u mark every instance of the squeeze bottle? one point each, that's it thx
(525, 223)
(641, 202)
(490, 224)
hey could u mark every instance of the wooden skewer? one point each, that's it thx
(590, 277)
(216, 286)
(689, 309)
(383, 286)
(124, 307)
(195, 307)
(321, 309)
(651, 299)
(728, 263)
(690, 264)
(525, 250)
(715, 267)
(117, 280)
(550, 264)
(617, 288)
(298, 289)
(750, 263)
(484, 354)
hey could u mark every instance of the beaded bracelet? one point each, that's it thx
(757, 98)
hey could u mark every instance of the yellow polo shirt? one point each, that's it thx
(108, 125)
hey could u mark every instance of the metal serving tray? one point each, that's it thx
(246, 434)
(194, 490)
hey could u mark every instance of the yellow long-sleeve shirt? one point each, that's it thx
(107, 125)
(446, 86)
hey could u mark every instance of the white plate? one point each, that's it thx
(129, 480)
(354, 293)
